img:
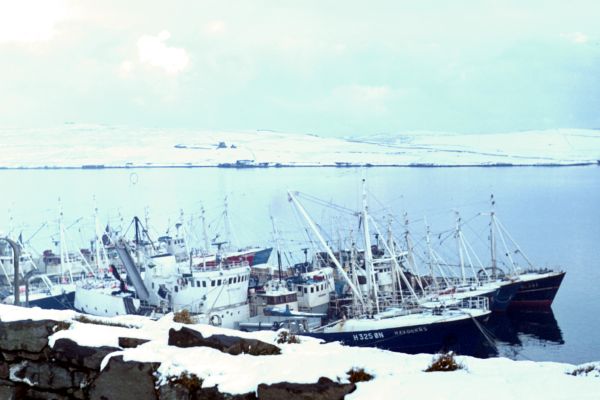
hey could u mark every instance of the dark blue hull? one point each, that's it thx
(461, 336)
(538, 293)
(63, 301)
(500, 300)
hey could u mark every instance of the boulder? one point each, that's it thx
(13, 339)
(41, 375)
(233, 345)
(10, 393)
(179, 391)
(121, 380)
(174, 392)
(4, 370)
(324, 389)
(128, 342)
(68, 351)
(34, 394)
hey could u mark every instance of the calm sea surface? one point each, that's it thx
(553, 213)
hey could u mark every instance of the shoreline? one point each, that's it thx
(292, 165)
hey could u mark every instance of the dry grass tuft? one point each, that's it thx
(183, 316)
(444, 362)
(190, 381)
(586, 370)
(87, 320)
(286, 337)
(61, 326)
(358, 375)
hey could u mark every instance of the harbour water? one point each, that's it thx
(553, 213)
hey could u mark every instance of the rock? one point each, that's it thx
(42, 356)
(34, 394)
(77, 394)
(4, 370)
(121, 380)
(212, 393)
(13, 339)
(10, 357)
(234, 345)
(68, 351)
(10, 393)
(41, 375)
(128, 343)
(180, 392)
(174, 392)
(324, 389)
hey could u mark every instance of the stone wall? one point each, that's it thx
(31, 369)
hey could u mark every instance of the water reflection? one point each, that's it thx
(515, 329)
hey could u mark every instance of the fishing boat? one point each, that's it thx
(314, 289)
(215, 295)
(413, 331)
(274, 294)
(42, 292)
(539, 285)
(372, 320)
(538, 289)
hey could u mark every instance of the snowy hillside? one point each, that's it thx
(109, 146)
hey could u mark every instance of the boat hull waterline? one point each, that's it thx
(462, 336)
(537, 291)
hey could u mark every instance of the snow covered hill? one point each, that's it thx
(96, 146)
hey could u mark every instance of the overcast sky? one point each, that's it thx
(326, 67)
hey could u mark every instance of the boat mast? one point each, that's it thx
(410, 258)
(101, 257)
(460, 250)
(182, 233)
(357, 293)
(370, 270)
(227, 223)
(396, 283)
(493, 237)
(64, 252)
(430, 253)
(276, 235)
(394, 259)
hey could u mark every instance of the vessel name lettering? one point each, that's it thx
(410, 331)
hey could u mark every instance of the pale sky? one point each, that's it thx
(336, 68)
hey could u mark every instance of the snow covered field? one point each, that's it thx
(111, 146)
(395, 375)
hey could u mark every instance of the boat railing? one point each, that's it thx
(227, 266)
(475, 303)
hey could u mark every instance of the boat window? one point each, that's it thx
(212, 283)
(203, 283)
(230, 281)
(312, 289)
(176, 289)
(197, 283)
(305, 290)
(218, 282)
